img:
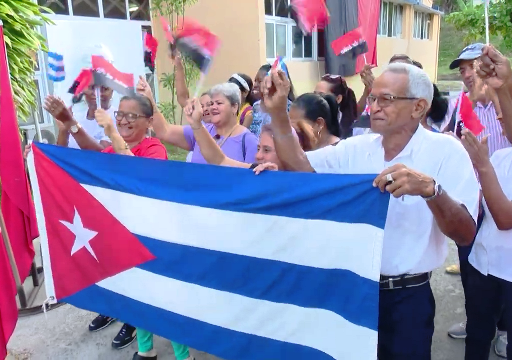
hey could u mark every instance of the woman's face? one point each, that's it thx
(308, 131)
(266, 151)
(134, 127)
(222, 112)
(256, 89)
(206, 103)
(105, 96)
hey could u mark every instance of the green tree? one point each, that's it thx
(471, 21)
(21, 19)
(173, 10)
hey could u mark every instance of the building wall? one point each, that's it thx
(240, 24)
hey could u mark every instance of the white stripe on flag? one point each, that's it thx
(317, 243)
(57, 74)
(55, 62)
(316, 328)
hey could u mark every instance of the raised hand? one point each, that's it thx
(56, 107)
(478, 151)
(493, 67)
(193, 112)
(275, 89)
(266, 166)
(367, 76)
(27, 150)
(105, 121)
(143, 88)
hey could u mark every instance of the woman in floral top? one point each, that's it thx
(260, 117)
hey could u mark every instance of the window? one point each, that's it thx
(391, 18)
(422, 25)
(112, 9)
(283, 36)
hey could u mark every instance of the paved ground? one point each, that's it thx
(63, 334)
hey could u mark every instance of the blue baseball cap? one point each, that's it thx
(470, 52)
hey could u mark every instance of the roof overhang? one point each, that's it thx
(418, 5)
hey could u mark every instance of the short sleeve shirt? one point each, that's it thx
(149, 148)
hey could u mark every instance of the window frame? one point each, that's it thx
(290, 24)
(393, 7)
(422, 25)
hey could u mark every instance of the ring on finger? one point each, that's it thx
(389, 178)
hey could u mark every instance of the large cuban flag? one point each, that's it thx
(275, 266)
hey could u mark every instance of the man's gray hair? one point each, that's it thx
(229, 90)
(419, 85)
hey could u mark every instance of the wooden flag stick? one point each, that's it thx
(12, 261)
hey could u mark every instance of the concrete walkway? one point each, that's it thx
(63, 335)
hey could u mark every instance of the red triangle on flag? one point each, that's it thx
(87, 243)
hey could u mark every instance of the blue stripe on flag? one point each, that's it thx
(185, 330)
(349, 295)
(56, 68)
(231, 189)
(55, 56)
(56, 78)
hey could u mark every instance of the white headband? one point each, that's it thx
(241, 81)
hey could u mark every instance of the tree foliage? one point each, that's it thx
(471, 21)
(173, 10)
(21, 18)
(448, 6)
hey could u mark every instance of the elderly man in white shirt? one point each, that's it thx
(434, 188)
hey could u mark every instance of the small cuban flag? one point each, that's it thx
(56, 67)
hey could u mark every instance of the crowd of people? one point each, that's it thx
(443, 186)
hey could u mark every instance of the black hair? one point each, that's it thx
(320, 106)
(417, 64)
(145, 104)
(291, 95)
(250, 97)
(439, 107)
(347, 106)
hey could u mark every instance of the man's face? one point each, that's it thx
(394, 116)
(467, 73)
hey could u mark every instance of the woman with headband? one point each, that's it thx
(244, 83)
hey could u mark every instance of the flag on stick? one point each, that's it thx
(150, 49)
(82, 82)
(309, 14)
(353, 40)
(467, 119)
(105, 74)
(16, 206)
(56, 71)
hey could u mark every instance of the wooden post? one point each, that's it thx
(19, 285)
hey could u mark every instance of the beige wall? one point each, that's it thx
(240, 24)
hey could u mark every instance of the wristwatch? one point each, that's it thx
(74, 128)
(438, 190)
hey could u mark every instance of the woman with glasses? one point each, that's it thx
(235, 140)
(345, 97)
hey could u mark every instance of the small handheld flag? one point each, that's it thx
(279, 64)
(309, 14)
(56, 71)
(467, 119)
(105, 74)
(150, 49)
(350, 41)
(82, 82)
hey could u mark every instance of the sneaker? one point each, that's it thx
(124, 337)
(500, 345)
(458, 331)
(136, 356)
(453, 270)
(100, 322)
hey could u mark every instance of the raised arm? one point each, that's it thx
(171, 134)
(182, 93)
(367, 79)
(499, 205)
(211, 151)
(275, 89)
(59, 111)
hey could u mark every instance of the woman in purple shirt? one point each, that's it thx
(235, 140)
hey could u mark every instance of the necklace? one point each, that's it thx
(225, 138)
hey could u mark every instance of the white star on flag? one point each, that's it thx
(82, 235)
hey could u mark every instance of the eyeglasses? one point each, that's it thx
(130, 117)
(386, 100)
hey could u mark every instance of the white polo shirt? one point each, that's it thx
(90, 126)
(492, 250)
(413, 242)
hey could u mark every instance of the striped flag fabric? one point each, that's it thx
(105, 74)
(252, 269)
(353, 40)
(56, 71)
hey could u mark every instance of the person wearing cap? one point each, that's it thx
(487, 112)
